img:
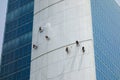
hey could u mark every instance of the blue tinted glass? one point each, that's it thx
(106, 25)
(16, 53)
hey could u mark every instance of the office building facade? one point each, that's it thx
(62, 41)
(66, 40)
(105, 21)
(16, 52)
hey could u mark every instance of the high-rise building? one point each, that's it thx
(62, 41)
(16, 52)
(69, 40)
(106, 25)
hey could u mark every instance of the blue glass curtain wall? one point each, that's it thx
(106, 26)
(16, 52)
